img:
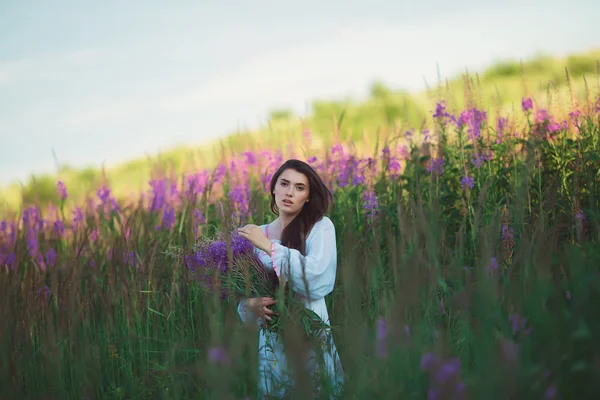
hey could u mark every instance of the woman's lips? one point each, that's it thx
(287, 202)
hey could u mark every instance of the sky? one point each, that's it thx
(103, 82)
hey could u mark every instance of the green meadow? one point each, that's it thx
(467, 220)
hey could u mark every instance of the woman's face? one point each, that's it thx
(291, 191)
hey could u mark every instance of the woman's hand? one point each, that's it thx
(259, 306)
(256, 236)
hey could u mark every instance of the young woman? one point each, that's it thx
(300, 245)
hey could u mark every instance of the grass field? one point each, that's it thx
(476, 241)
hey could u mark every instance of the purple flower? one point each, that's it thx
(541, 116)
(434, 393)
(436, 166)
(370, 203)
(265, 179)
(168, 219)
(445, 376)
(44, 292)
(394, 167)
(473, 119)
(62, 190)
(31, 217)
(403, 151)
(519, 324)
(240, 195)
(478, 160)
(554, 127)
(382, 332)
(195, 184)
(129, 258)
(32, 224)
(215, 254)
(545, 125)
(493, 265)
(159, 194)
(467, 181)
(580, 217)
(50, 257)
(250, 158)
(507, 232)
(337, 149)
(526, 104)
(359, 178)
(426, 136)
(77, 216)
(448, 370)
(103, 194)
(107, 202)
(59, 228)
(344, 169)
(218, 355)
(11, 260)
(211, 260)
(429, 361)
(550, 393)
(440, 112)
(501, 125)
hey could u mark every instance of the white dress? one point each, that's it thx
(320, 264)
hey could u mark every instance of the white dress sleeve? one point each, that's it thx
(312, 275)
(244, 313)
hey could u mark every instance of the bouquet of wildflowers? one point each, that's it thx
(240, 274)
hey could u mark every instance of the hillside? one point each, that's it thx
(498, 89)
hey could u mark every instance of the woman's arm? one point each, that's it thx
(312, 275)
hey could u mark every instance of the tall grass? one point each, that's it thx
(478, 243)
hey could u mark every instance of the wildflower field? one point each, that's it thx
(468, 267)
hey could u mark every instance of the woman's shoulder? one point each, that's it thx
(324, 224)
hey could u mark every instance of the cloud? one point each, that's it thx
(47, 66)
(109, 111)
(4, 76)
(347, 60)
(343, 62)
